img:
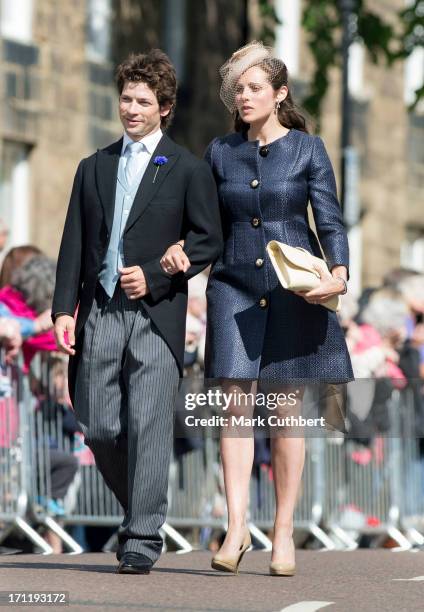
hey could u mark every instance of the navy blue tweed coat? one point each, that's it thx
(256, 329)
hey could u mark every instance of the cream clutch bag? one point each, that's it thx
(293, 266)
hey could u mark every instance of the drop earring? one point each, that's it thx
(277, 106)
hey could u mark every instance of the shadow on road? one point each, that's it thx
(110, 569)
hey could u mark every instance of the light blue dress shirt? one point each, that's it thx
(124, 199)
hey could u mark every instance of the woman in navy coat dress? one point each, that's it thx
(266, 172)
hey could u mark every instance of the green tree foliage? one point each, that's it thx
(386, 41)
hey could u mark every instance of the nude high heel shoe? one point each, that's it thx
(230, 564)
(282, 569)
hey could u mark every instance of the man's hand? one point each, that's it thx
(65, 323)
(133, 282)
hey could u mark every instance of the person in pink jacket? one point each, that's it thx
(28, 298)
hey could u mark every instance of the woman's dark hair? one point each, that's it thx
(36, 281)
(288, 114)
(156, 70)
(14, 259)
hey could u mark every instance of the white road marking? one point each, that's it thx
(416, 579)
(307, 606)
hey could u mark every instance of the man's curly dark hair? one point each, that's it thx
(156, 70)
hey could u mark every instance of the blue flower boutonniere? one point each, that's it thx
(160, 160)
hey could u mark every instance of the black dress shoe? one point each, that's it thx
(134, 563)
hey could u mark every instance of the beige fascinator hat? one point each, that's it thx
(241, 60)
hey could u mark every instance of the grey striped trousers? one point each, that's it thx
(126, 387)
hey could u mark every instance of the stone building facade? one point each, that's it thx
(58, 104)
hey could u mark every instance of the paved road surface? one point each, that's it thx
(358, 581)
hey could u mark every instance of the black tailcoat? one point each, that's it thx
(180, 203)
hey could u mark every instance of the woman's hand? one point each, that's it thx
(175, 260)
(329, 286)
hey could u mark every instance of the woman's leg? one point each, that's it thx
(237, 448)
(288, 457)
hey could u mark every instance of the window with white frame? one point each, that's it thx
(15, 192)
(16, 19)
(414, 74)
(412, 251)
(99, 30)
(287, 34)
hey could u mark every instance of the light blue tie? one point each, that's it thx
(109, 275)
(131, 151)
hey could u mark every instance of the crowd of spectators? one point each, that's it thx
(384, 331)
(27, 280)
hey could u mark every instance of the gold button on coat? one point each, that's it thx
(254, 183)
(263, 302)
(259, 262)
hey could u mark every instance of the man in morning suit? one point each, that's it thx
(130, 201)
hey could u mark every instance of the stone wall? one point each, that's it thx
(64, 106)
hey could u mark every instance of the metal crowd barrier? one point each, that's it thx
(411, 471)
(341, 497)
(15, 457)
(377, 490)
